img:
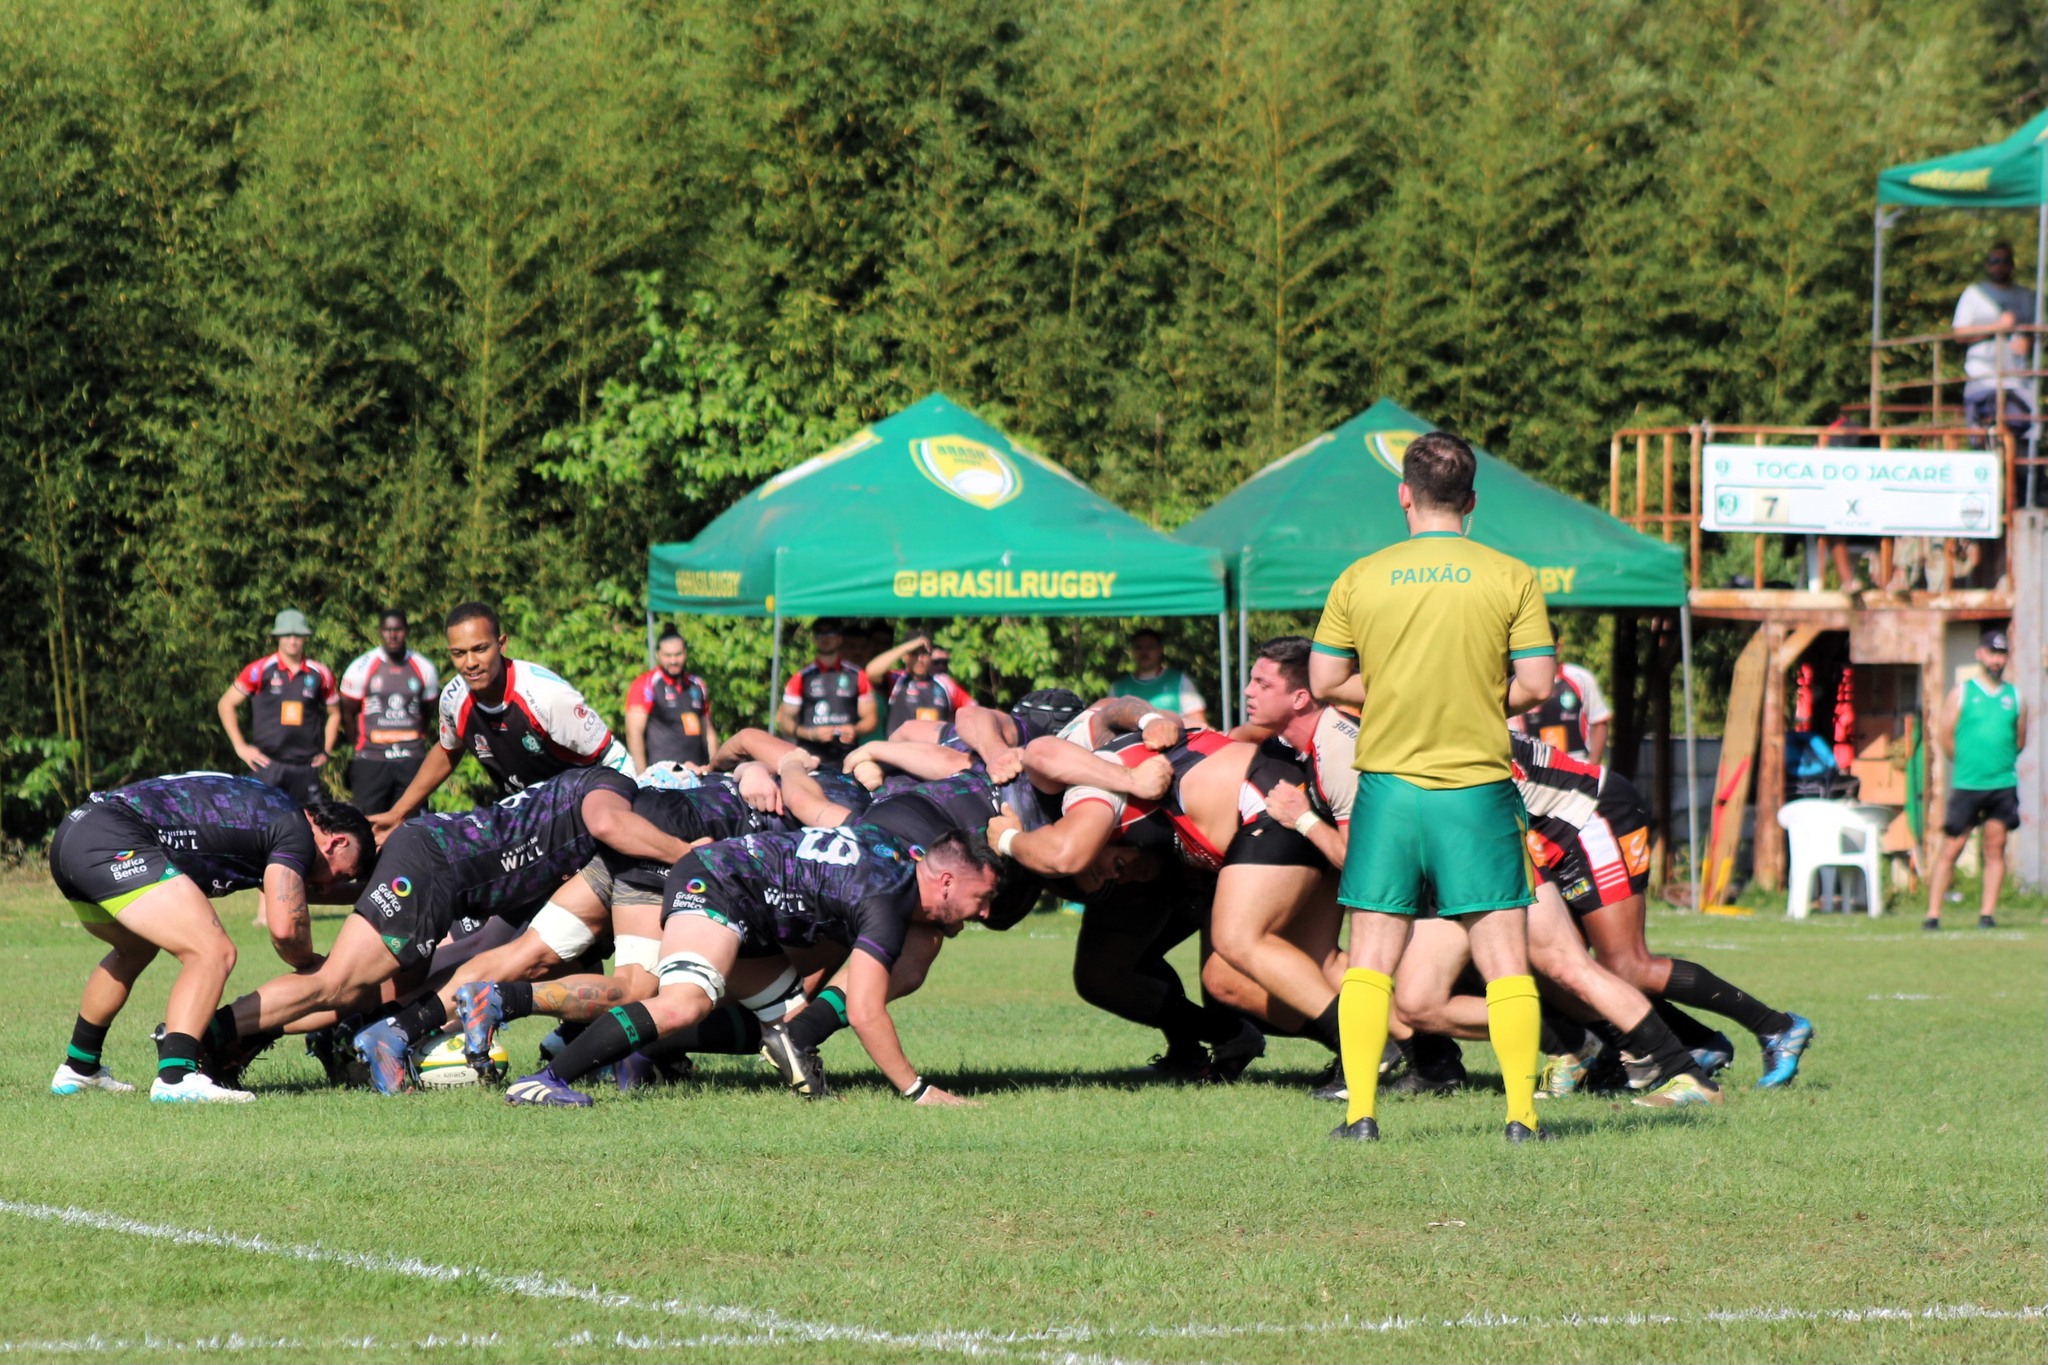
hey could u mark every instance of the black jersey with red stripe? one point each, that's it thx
(1553, 784)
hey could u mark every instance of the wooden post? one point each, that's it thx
(1693, 510)
(1642, 476)
(1661, 669)
(1665, 519)
(1624, 735)
(1614, 476)
(1933, 697)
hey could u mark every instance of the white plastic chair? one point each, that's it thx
(1833, 834)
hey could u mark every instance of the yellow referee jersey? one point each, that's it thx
(1435, 623)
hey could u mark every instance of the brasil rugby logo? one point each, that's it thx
(970, 470)
(1389, 446)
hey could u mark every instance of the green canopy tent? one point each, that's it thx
(2008, 174)
(1289, 530)
(931, 512)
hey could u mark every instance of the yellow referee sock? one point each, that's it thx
(1514, 1023)
(1362, 1008)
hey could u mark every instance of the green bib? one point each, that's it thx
(1162, 693)
(1987, 738)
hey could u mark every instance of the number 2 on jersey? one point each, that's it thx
(834, 846)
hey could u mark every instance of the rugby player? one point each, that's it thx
(1436, 640)
(1589, 837)
(521, 722)
(829, 705)
(141, 866)
(668, 711)
(736, 912)
(385, 694)
(440, 874)
(293, 723)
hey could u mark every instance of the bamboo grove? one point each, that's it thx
(334, 304)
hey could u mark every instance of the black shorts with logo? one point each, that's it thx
(691, 890)
(103, 857)
(375, 784)
(412, 902)
(1968, 809)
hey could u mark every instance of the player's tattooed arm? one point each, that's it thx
(578, 1000)
(286, 916)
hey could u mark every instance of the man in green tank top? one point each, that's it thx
(1983, 729)
(1169, 691)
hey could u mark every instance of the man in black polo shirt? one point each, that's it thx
(829, 705)
(387, 697)
(668, 711)
(294, 722)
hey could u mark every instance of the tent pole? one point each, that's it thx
(2040, 288)
(1223, 665)
(1244, 619)
(1692, 760)
(775, 648)
(650, 637)
(1876, 308)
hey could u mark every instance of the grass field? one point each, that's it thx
(1887, 1207)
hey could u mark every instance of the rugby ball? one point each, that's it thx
(439, 1063)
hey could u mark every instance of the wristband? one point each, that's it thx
(1308, 821)
(917, 1089)
(1008, 837)
(1149, 717)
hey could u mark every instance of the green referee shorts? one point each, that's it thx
(1464, 844)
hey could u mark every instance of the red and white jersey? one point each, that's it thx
(287, 706)
(395, 697)
(1553, 784)
(542, 728)
(1162, 825)
(1333, 782)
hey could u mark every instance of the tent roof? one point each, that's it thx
(1291, 528)
(2010, 174)
(932, 512)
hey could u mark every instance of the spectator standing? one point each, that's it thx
(668, 711)
(1574, 718)
(918, 691)
(1983, 729)
(293, 721)
(387, 695)
(1169, 691)
(829, 705)
(1988, 307)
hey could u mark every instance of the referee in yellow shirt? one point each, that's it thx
(1438, 641)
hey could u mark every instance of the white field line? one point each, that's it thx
(762, 1327)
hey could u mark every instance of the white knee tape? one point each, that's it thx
(565, 935)
(772, 1002)
(692, 969)
(635, 951)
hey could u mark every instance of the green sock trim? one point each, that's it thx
(78, 1054)
(176, 1064)
(618, 1012)
(834, 999)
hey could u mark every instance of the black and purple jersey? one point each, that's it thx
(221, 831)
(851, 884)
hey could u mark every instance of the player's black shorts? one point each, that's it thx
(693, 891)
(103, 857)
(299, 781)
(1602, 863)
(412, 902)
(1968, 809)
(375, 784)
(1265, 842)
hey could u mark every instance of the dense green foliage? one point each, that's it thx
(1081, 1214)
(335, 304)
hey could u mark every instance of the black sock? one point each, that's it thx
(730, 1029)
(1652, 1041)
(1692, 984)
(821, 1019)
(1434, 1057)
(421, 1018)
(83, 1056)
(1183, 1024)
(1323, 1028)
(516, 997)
(177, 1056)
(604, 1040)
(1220, 1023)
(1690, 1031)
(221, 1031)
